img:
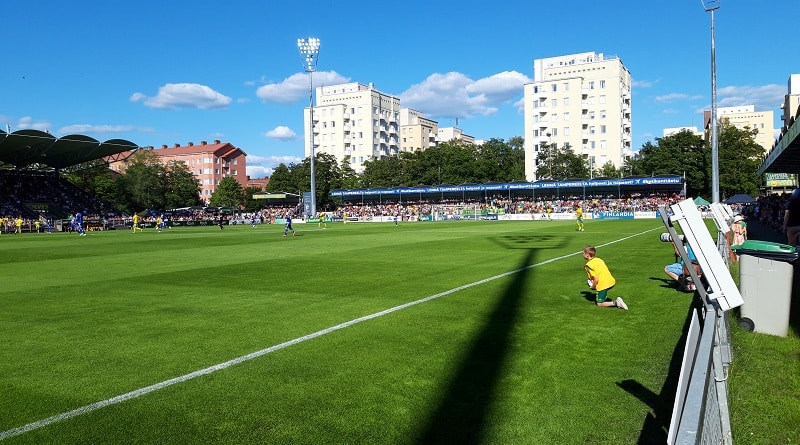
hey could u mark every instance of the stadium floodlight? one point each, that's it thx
(309, 51)
(711, 6)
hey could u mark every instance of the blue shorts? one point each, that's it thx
(676, 268)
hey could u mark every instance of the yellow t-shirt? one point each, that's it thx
(597, 268)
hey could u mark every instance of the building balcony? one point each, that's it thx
(346, 116)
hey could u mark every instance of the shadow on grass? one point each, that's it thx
(666, 283)
(656, 423)
(461, 414)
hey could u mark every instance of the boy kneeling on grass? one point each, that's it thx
(600, 279)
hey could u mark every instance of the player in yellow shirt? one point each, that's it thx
(136, 225)
(579, 214)
(322, 223)
(600, 279)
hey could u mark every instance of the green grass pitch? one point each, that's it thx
(502, 345)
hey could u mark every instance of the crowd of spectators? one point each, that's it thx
(504, 205)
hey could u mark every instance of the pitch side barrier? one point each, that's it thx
(700, 414)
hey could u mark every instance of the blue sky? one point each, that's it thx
(166, 72)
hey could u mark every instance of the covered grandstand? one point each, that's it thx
(606, 187)
(31, 162)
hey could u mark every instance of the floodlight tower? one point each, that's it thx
(309, 52)
(711, 6)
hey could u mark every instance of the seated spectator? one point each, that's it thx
(679, 271)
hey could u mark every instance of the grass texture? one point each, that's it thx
(460, 332)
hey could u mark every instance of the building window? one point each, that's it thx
(602, 129)
(602, 84)
(566, 131)
(554, 132)
(566, 116)
(566, 101)
(554, 103)
(566, 86)
(555, 87)
(602, 99)
(591, 84)
(591, 129)
(602, 114)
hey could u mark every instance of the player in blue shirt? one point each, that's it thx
(79, 223)
(288, 226)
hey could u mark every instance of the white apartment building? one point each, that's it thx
(354, 121)
(417, 132)
(791, 101)
(447, 134)
(746, 116)
(583, 100)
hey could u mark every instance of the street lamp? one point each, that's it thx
(711, 6)
(309, 52)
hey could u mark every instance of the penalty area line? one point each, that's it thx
(224, 365)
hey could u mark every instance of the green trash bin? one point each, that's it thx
(766, 271)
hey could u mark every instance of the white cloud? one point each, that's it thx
(262, 166)
(295, 87)
(258, 171)
(183, 95)
(89, 129)
(27, 123)
(672, 97)
(764, 97)
(456, 95)
(282, 133)
(642, 83)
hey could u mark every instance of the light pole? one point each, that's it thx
(309, 51)
(711, 6)
(549, 156)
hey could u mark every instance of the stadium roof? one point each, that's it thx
(24, 148)
(785, 155)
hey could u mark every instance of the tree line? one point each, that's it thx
(148, 184)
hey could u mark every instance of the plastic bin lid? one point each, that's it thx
(764, 246)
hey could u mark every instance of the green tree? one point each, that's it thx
(739, 158)
(182, 187)
(382, 172)
(678, 154)
(143, 182)
(607, 170)
(498, 161)
(229, 193)
(350, 179)
(560, 163)
(282, 180)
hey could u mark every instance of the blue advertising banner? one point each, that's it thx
(613, 215)
(539, 185)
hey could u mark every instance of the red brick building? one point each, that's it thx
(208, 162)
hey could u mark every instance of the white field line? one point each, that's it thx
(220, 366)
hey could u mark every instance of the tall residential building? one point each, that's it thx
(447, 134)
(583, 100)
(208, 162)
(746, 116)
(417, 133)
(791, 102)
(354, 121)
